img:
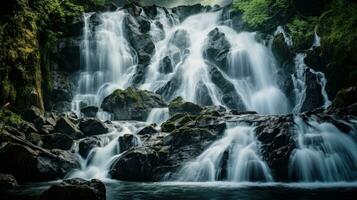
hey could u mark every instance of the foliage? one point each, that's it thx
(302, 32)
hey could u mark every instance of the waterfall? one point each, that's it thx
(324, 153)
(235, 156)
(108, 61)
(100, 158)
(158, 115)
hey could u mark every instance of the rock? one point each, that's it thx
(28, 163)
(230, 98)
(34, 138)
(344, 98)
(65, 125)
(69, 55)
(168, 90)
(132, 104)
(165, 65)
(187, 10)
(90, 111)
(217, 49)
(178, 105)
(149, 130)
(87, 144)
(281, 49)
(57, 141)
(127, 141)
(62, 87)
(35, 116)
(277, 139)
(135, 165)
(313, 97)
(7, 182)
(75, 189)
(62, 106)
(93, 126)
(187, 136)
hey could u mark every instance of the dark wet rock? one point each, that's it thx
(168, 90)
(344, 98)
(132, 104)
(90, 111)
(135, 165)
(186, 136)
(313, 98)
(165, 65)
(57, 141)
(62, 106)
(217, 49)
(87, 144)
(34, 115)
(93, 126)
(237, 112)
(31, 163)
(149, 130)
(66, 126)
(7, 182)
(127, 141)
(75, 189)
(178, 105)
(63, 87)
(34, 138)
(277, 138)
(69, 55)
(281, 49)
(230, 98)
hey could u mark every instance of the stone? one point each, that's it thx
(165, 65)
(149, 130)
(66, 126)
(7, 182)
(132, 104)
(93, 126)
(30, 163)
(127, 141)
(90, 111)
(135, 165)
(217, 49)
(87, 144)
(314, 98)
(178, 105)
(75, 189)
(57, 141)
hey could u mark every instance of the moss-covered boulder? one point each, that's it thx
(132, 104)
(178, 105)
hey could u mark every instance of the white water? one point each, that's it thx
(99, 159)
(243, 163)
(109, 63)
(324, 153)
(158, 115)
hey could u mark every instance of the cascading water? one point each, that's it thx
(235, 156)
(99, 159)
(324, 153)
(180, 66)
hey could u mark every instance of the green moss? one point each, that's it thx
(263, 14)
(302, 32)
(10, 118)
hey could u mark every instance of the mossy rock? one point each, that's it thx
(132, 104)
(178, 105)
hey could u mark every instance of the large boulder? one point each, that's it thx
(217, 49)
(66, 126)
(185, 11)
(135, 165)
(178, 105)
(281, 50)
(57, 141)
(74, 189)
(188, 136)
(87, 144)
(90, 111)
(344, 98)
(7, 181)
(313, 97)
(127, 141)
(31, 163)
(93, 126)
(132, 104)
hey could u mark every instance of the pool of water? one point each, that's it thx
(117, 190)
